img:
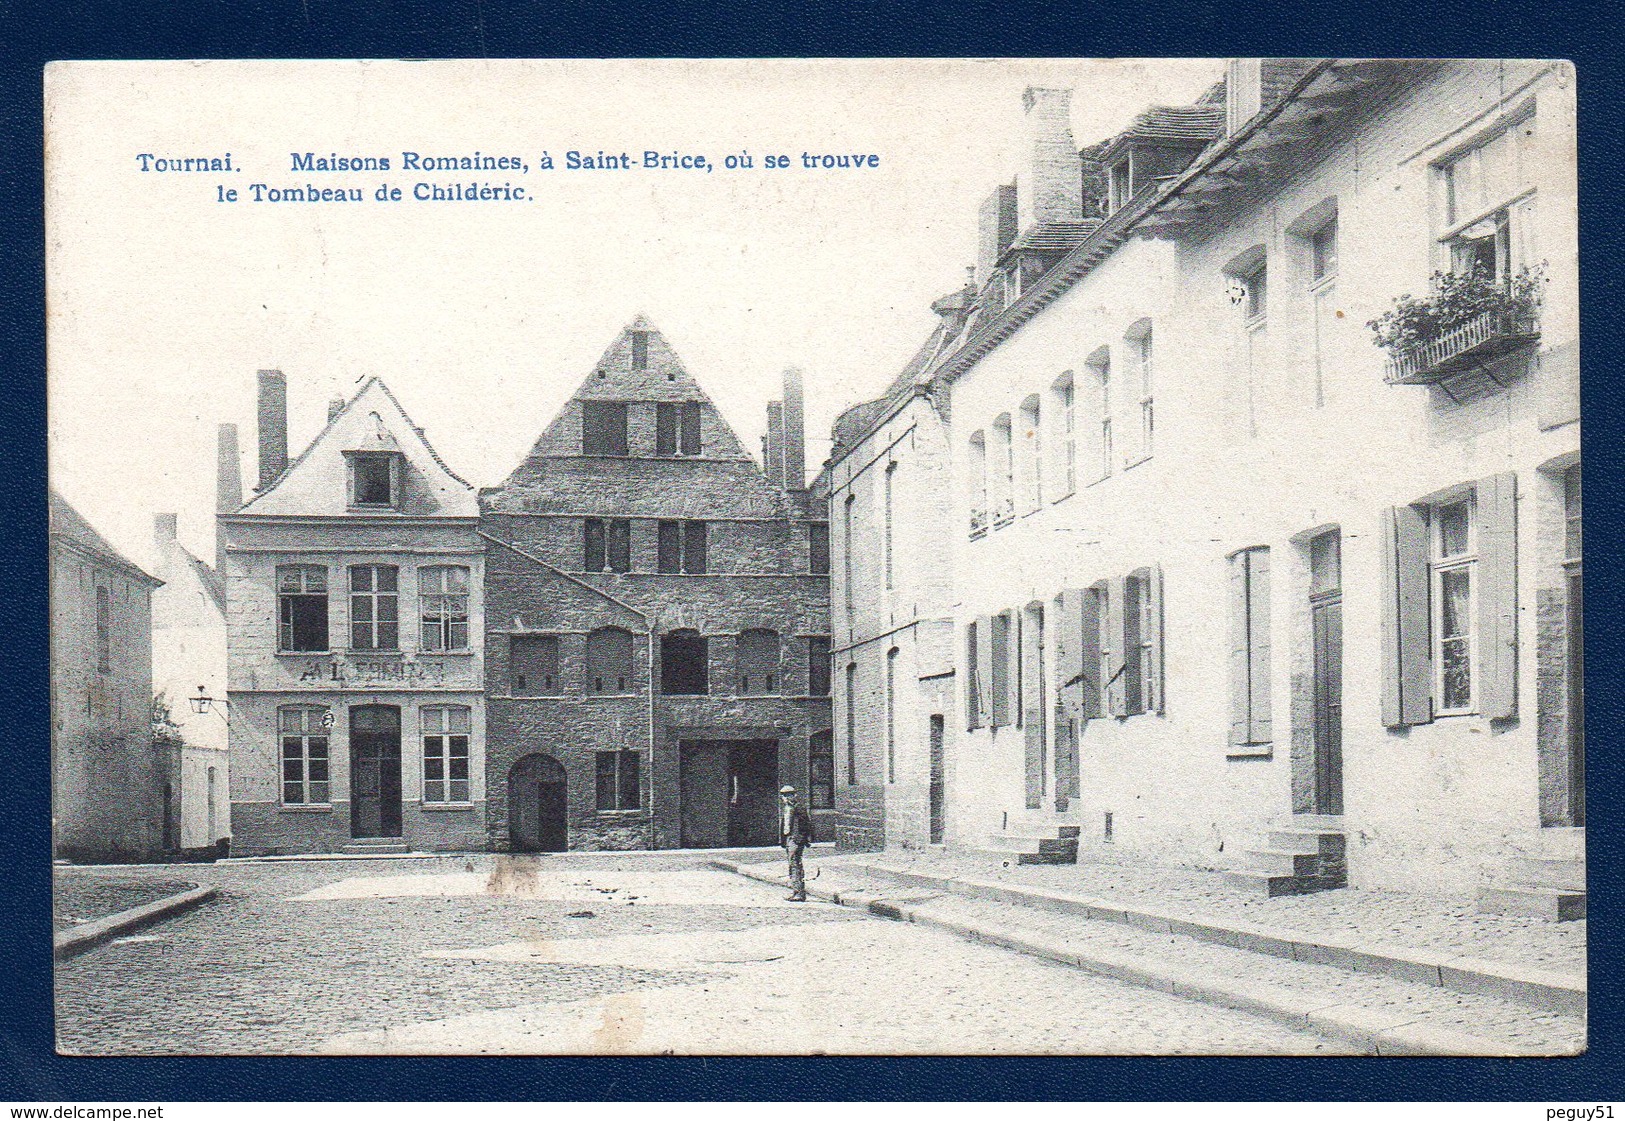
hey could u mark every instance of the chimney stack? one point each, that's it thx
(228, 487)
(795, 452)
(1049, 187)
(773, 444)
(273, 426)
(335, 406)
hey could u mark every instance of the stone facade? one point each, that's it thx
(653, 612)
(1201, 549)
(107, 777)
(354, 587)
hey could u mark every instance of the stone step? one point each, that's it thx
(1551, 904)
(1540, 871)
(1015, 842)
(1304, 840)
(364, 846)
(1284, 862)
(1562, 842)
(1265, 884)
(1038, 832)
(1320, 823)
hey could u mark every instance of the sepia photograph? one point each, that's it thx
(815, 557)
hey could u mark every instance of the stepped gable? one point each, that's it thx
(558, 477)
(373, 420)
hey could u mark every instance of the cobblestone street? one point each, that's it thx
(588, 954)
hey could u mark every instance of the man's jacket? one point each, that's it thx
(800, 832)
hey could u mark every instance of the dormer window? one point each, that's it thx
(1120, 184)
(375, 479)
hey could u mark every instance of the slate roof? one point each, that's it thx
(69, 525)
(1169, 124)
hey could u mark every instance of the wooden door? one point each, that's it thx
(1328, 704)
(375, 771)
(753, 796)
(703, 779)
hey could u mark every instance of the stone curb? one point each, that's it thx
(76, 940)
(1546, 990)
(1369, 1030)
(698, 854)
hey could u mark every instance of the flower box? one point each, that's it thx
(1466, 346)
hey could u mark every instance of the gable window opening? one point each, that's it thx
(1455, 605)
(374, 478)
(619, 781)
(304, 755)
(607, 544)
(640, 350)
(445, 753)
(677, 429)
(682, 548)
(603, 428)
(301, 608)
(374, 607)
(443, 597)
(533, 665)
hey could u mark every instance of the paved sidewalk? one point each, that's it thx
(1443, 925)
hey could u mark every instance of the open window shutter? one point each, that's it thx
(973, 673)
(1132, 683)
(1154, 634)
(1089, 652)
(1015, 644)
(1240, 686)
(1069, 654)
(1116, 701)
(1497, 511)
(1258, 646)
(984, 669)
(1407, 672)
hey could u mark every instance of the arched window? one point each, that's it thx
(758, 659)
(609, 660)
(1030, 437)
(976, 484)
(1063, 416)
(684, 663)
(1001, 470)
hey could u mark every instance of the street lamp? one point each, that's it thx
(204, 703)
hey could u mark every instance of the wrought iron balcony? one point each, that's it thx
(1468, 346)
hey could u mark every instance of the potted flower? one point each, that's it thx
(1464, 315)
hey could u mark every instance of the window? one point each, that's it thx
(1120, 184)
(443, 599)
(818, 548)
(1323, 252)
(851, 724)
(618, 781)
(608, 544)
(1450, 606)
(665, 429)
(1002, 466)
(374, 610)
(818, 666)
(1100, 365)
(677, 429)
(1139, 349)
(603, 428)
(104, 631)
(533, 665)
(1489, 204)
(821, 770)
(690, 429)
(757, 654)
(976, 483)
(1065, 400)
(891, 715)
(373, 475)
(609, 661)
(890, 485)
(1250, 647)
(445, 753)
(1032, 454)
(682, 547)
(640, 350)
(1255, 294)
(301, 607)
(1454, 650)
(304, 755)
(684, 664)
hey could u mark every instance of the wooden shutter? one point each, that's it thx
(665, 429)
(984, 670)
(691, 430)
(1240, 662)
(1407, 670)
(1154, 635)
(1113, 666)
(1092, 608)
(1132, 684)
(1015, 676)
(1497, 511)
(973, 675)
(1069, 675)
(1258, 646)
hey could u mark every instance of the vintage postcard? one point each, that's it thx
(1047, 556)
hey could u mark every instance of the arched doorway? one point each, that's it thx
(537, 805)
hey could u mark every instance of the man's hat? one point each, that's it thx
(787, 790)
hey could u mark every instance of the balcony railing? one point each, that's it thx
(1470, 345)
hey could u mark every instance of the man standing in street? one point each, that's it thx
(795, 834)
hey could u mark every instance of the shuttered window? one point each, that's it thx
(1450, 609)
(1250, 647)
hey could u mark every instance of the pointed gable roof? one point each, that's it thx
(619, 376)
(69, 525)
(316, 483)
